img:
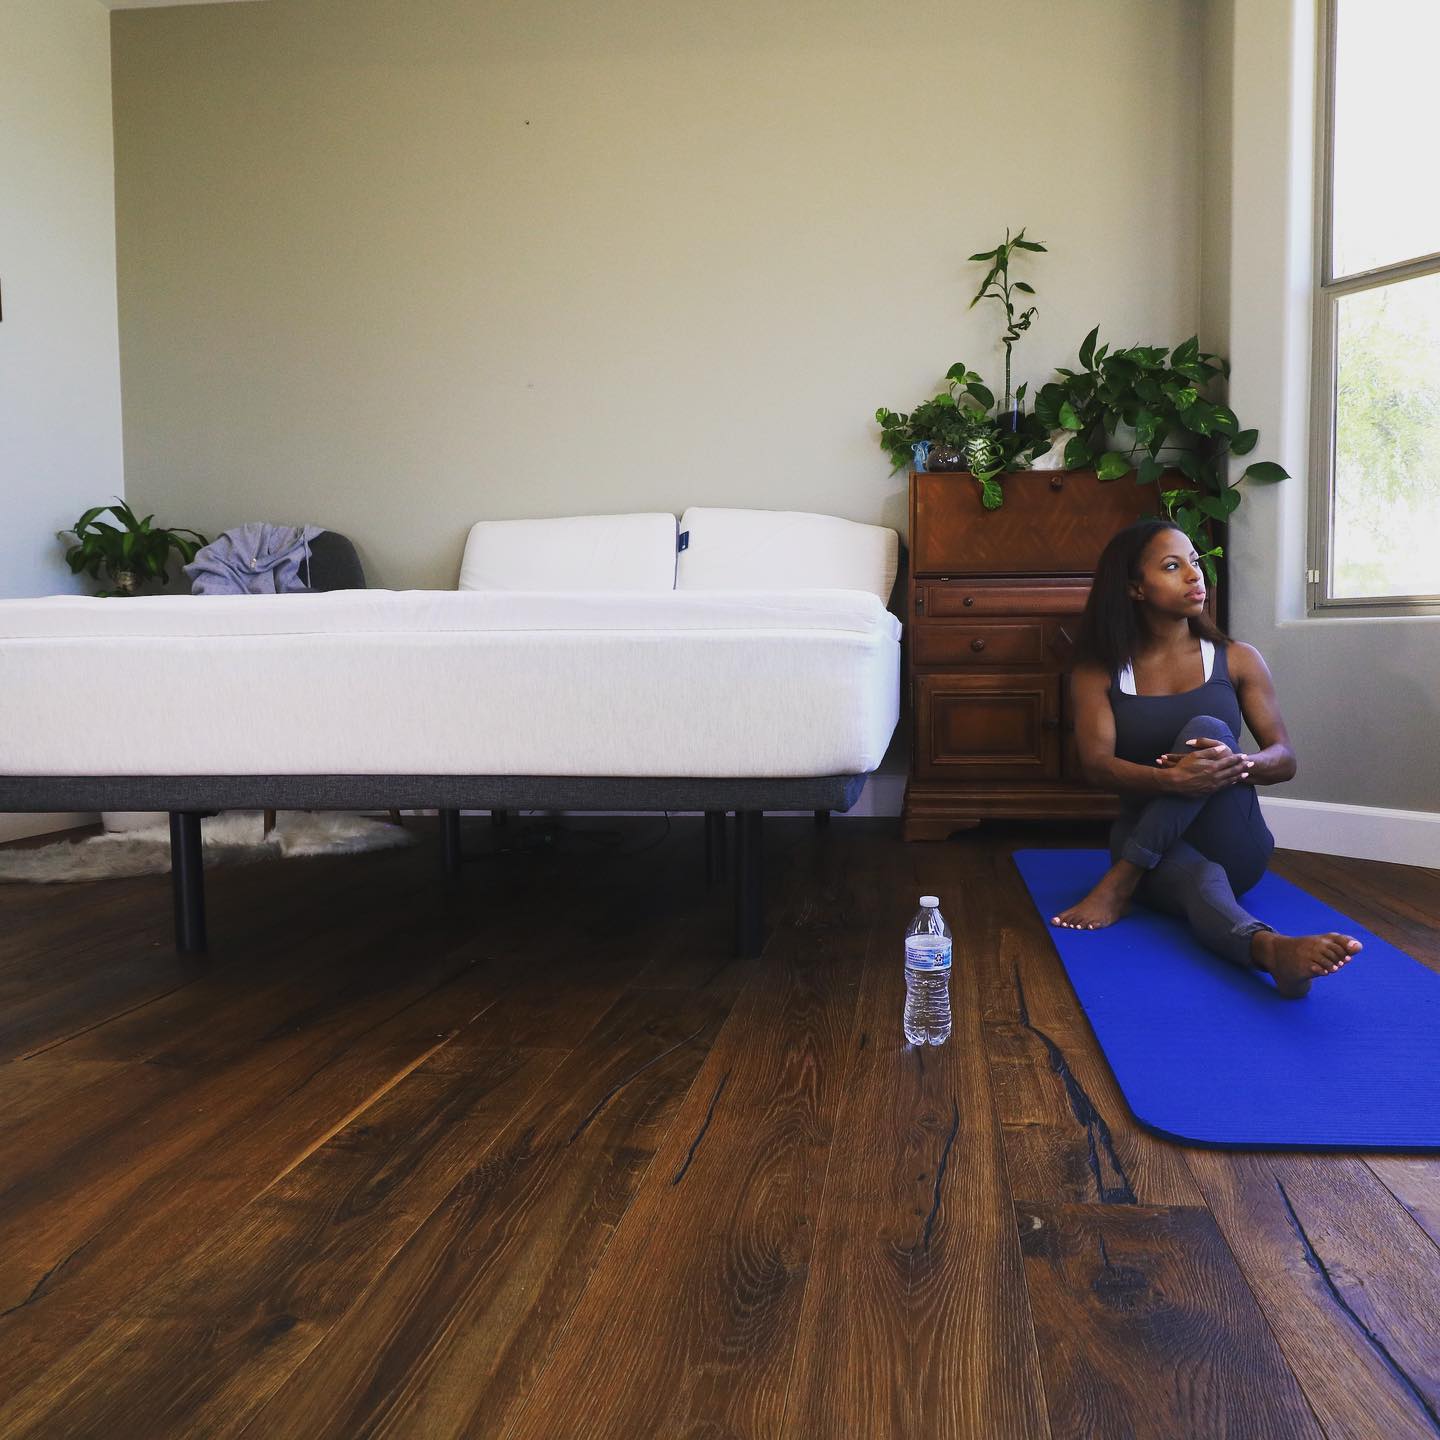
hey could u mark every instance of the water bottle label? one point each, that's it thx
(928, 952)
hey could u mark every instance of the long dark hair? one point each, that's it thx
(1111, 629)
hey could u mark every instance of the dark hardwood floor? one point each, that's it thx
(537, 1158)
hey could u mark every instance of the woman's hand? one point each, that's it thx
(1210, 765)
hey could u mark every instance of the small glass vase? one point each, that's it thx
(945, 457)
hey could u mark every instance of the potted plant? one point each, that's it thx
(997, 285)
(130, 553)
(1156, 399)
(958, 429)
(960, 433)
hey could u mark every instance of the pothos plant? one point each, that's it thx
(131, 552)
(1160, 397)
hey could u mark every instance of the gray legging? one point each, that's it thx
(1200, 853)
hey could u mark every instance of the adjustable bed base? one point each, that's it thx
(188, 798)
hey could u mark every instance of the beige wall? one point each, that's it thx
(397, 265)
(1361, 696)
(59, 357)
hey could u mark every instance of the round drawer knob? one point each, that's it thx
(969, 599)
(977, 645)
(1057, 482)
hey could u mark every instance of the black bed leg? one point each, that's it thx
(450, 843)
(749, 901)
(187, 880)
(714, 846)
(822, 818)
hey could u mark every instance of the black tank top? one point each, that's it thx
(1146, 725)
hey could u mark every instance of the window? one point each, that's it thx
(1377, 313)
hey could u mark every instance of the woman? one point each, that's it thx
(1160, 695)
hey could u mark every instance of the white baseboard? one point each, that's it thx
(21, 827)
(1364, 832)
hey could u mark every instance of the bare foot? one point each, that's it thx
(1296, 960)
(1106, 903)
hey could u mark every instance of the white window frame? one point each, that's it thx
(1329, 290)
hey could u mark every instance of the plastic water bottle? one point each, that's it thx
(927, 975)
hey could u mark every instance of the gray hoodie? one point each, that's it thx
(254, 559)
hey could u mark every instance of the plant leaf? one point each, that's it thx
(1087, 348)
(1069, 420)
(1191, 466)
(1244, 442)
(1266, 470)
(1112, 466)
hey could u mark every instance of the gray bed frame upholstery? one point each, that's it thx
(189, 797)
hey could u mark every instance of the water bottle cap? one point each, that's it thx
(930, 902)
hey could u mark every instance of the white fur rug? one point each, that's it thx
(232, 838)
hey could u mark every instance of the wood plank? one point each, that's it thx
(214, 1132)
(1348, 1282)
(1069, 1135)
(561, 965)
(459, 1322)
(1147, 1328)
(92, 967)
(131, 1204)
(253, 1301)
(39, 1082)
(78, 1170)
(916, 1319)
(1414, 1180)
(721, 1228)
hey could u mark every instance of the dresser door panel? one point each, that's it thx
(1052, 522)
(987, 727)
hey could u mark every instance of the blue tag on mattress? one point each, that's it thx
(683, 543)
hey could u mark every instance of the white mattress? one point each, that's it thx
(734, 683)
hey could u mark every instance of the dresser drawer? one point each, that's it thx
(946, 643)
(961, 600)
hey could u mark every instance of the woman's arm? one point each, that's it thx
(1275, 761)
(1095, 740)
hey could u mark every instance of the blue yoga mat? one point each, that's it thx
(1210, 1054)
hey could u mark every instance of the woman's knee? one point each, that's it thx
(1206, 727)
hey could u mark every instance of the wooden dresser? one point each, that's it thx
(993, 605)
